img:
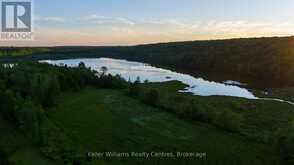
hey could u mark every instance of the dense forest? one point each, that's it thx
(266, 62)
(60, 112)
(30, 90)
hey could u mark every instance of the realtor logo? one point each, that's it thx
(16, 20)
(16, 16)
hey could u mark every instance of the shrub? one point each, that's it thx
(7, 104)
(4, 158)
(29, 117)
(135, 88)
(199, 114)
(151, 97)
(285, 144)
(229, 121)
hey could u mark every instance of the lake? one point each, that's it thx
(131, 70)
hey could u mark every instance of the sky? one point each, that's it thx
(132, 22)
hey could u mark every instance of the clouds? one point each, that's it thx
(248, 29)
(168, 25)
(49, 19)
(105, 30)
(90, 20)
(103, 20)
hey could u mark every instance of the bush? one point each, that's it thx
(198, 113)
(135, 88)
(151, 97)
(4, 158)
(29, 117)
(112, 82)
(229, 121)
(285, 144)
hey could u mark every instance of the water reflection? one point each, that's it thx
(131, 70)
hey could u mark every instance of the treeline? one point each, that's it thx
(185, 107)
(21, 51)
(28, 90)
(265, 62)
(252, 120)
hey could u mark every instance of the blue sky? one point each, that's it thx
(129, 22)
(269, 10)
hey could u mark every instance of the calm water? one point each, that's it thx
(131, 70)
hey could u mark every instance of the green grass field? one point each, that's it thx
(260, 119)
(108, 121)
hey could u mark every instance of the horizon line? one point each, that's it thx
(153, 43)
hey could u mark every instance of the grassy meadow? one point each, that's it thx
(107, 120)
(59, 115)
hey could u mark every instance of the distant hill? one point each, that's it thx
(263, 61)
